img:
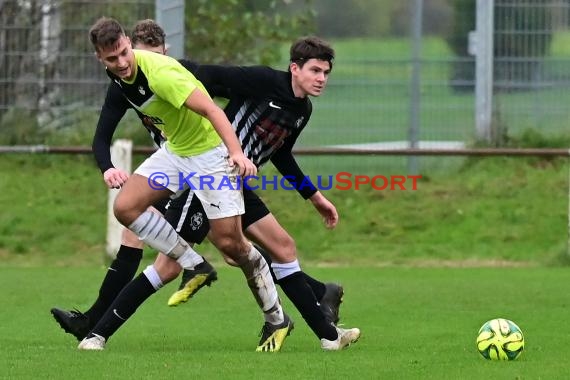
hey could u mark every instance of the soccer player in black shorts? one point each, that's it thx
(275, 134)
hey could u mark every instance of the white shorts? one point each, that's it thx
(208, 175)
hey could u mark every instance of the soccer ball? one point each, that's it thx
(500, 339)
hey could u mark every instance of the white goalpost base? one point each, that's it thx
(121, 156)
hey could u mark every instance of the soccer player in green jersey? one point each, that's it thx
(200, 142)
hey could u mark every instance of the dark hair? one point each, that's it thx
(148, 32)
(105, 33)
(306, 48)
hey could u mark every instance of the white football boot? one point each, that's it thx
(345, 338)
(95, 343)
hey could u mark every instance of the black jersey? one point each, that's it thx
(265, 114)
(262, 108)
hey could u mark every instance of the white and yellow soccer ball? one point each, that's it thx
(500, 339)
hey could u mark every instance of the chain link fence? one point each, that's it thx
(531, 67)
(49, 80)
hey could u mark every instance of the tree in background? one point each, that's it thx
(245, 32)
(19, 35)
(354, 18)
(50, 81)
(45, 54)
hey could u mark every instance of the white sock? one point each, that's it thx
(190, 259)
(286, 269)
(155, 231)
(259, 279)
(275, 316)
(153, 277)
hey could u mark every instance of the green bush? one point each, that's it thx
(237, 32)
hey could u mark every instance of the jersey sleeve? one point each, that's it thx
(247, 81)
(112, 112)
(214, 90)
(284, 161)
(172, 82)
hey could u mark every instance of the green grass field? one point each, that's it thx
(476, 210)
(423, 270)
(417, 323)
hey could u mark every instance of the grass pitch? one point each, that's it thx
(417, 323)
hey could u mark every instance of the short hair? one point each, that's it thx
(309, 47)
(148, 32)
(105, 33)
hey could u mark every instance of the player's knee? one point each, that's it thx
(289, 245)
(129, 239)
(286, 251)
(125, 211)
(232, 246)
(121, 209)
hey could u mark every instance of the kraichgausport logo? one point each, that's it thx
(339, 181)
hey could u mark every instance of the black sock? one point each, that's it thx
(318, 287)
(127, 302)
(120, 272)
(300, 293)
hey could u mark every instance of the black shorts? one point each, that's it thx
(161, 205)
(190, 220)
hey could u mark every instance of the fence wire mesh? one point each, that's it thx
(49, 79)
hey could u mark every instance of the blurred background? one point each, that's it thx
(405, 73)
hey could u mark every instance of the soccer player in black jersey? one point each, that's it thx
(268, 109)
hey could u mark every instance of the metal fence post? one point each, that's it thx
(415, 85)
(484, 69)
(170, 15)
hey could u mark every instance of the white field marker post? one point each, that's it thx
(121, 156)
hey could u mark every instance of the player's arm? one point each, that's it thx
(112, 112)
(214, 89)
(286, 164)
(202, 104)
(245, 80)
(174, 84)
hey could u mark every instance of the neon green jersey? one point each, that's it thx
(158, 92)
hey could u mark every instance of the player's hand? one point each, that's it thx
(115, 178)
(245, 166)
(326, 209)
